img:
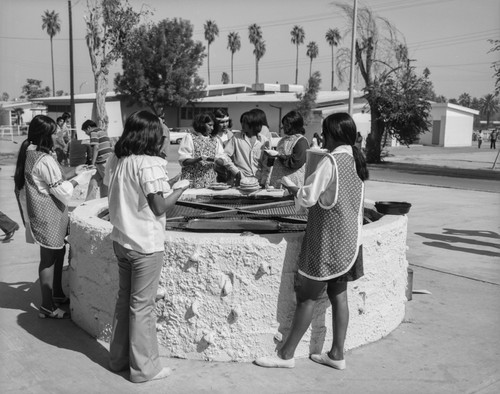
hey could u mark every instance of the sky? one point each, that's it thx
(447, 36)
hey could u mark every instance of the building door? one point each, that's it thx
(436, 129)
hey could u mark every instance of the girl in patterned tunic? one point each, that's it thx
(43, 195)
(197, 153)
(139, 195)
(289, 158)
(331, 252)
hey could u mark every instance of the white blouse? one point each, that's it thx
(186, 148)
(130, 180)
(49, 179)
(322, 185)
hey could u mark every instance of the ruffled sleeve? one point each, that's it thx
(186, 148)
(153, 176)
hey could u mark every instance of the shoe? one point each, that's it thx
(164, 373)
(44, 313)
(275, 362)
(10, 234)
(60, 300)
(324, 359)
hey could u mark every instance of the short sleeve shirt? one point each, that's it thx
(130, 180)
(100, 139)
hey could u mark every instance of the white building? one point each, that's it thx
(451, 126)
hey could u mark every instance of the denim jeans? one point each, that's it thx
(133, 340)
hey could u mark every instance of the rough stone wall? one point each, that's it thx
(230, 297)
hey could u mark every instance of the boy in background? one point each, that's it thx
(101, 151)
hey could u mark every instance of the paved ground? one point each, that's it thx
(449, 341)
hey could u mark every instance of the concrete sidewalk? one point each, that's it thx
(449, 341)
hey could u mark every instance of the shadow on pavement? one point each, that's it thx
(60, 333)
(445, 240)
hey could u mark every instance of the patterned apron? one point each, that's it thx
(48, 217)
(332, 241)
(202, 173)
(285, 147)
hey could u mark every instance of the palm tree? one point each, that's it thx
(255, 37)
(259, 51)
(488, 106)
(233, 44)
(333, 38)
(312, 53)
(52, 24)
(211, 31)
(298, 37)
(465, 100)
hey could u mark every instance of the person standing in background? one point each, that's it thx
(101, 151)
(479, 139)
(79, 153)
(60, 144)
(493, 139)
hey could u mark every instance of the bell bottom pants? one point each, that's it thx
(133, 339)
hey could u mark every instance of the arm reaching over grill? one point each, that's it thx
(159, 204)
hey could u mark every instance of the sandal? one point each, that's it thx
(57, 313)
(60, 300)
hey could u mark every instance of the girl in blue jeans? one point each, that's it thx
(139, 195)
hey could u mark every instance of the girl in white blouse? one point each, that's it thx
(331, 253)
(43, 195)
(139, 195)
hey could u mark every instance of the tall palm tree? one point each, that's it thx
(259, 51)
(488, 106)
(333, 38)
(52, 24)
(233, 44)
(255, 37)
(211, 31)
(312, 53)
(298, 37)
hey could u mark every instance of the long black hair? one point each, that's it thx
(142, 135)
(340, 129)
(40, 134)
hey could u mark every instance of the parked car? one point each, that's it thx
(177, 134)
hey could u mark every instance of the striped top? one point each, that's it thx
(100, 138)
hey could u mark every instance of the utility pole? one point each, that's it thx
(353, 54)
(71, 74)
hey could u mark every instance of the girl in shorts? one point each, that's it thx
(331, 252)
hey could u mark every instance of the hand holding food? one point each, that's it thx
(271, 152)
(183, 184)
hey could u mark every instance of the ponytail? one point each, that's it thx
(20, 165)
(360, 161)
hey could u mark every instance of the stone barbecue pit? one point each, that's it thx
(226, 288)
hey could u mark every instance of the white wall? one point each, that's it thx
(458, 129)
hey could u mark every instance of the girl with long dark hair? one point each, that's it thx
(332, 254)
(43, 195)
